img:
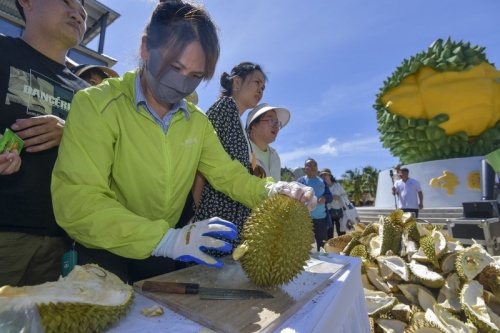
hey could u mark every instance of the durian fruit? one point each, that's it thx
(434, 246)
(88, 299)
(337, 244)
(390, 232)
(476, 309)
(418, 295)
(378, 302)
(449, 294)
(441, 103)
(471, 261)
(393, 267)
(277, 237)
(377, 280)
(492, 301)
(391, 325)
(447, 262)
(446, 322)
(490, 277)
(426, 276)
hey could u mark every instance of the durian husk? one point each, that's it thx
(476, 310)
(278, 235)
(89, 299)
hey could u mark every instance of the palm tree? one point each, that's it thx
(370, 175)
(352, 182)
(356, 182)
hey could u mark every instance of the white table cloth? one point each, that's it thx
(340, 308)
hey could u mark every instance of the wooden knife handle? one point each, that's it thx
(171, 287)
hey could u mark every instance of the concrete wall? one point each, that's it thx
(428, 172)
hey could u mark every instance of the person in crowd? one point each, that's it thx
(36, 90)
(263, 125)
(336, 206)
(320, 214)
(241, 89)
(131, 149)
(93, 74)
(409, 193)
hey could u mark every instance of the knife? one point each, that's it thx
(205, 293)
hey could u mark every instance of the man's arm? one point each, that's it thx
(421, 198)
(39, 133)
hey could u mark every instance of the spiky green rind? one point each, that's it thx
(418, 140)
(279, 233)
(427, 246)
(80, 317)
(359, 251)
(391, 237)
(442, 56)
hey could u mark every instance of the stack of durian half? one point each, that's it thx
(419, 279)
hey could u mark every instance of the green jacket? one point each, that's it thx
(120, 183)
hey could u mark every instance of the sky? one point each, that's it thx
(325, 61)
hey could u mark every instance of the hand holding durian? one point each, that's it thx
(295, 190)
(187, 244)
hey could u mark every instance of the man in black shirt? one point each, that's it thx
(36, 90)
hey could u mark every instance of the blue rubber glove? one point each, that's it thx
(188, 243)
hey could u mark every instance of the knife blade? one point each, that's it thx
(205, 293)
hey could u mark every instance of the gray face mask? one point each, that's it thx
(171, 87)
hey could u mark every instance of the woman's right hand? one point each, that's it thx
(336, 197)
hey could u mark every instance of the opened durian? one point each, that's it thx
(476, 309)
(471, 261)
(378, 302)
(89, 299)
(276, 241)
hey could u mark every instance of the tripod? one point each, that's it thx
(391, 173)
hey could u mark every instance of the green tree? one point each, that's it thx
(286, 175)
(358, 181)
(352, 182)
(370, 177)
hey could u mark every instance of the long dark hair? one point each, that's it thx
(242, 70)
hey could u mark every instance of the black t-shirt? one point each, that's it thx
(31, 85)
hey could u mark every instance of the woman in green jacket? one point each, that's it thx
(130, 151)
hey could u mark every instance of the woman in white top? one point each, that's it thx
(336, 207)
(263, 125)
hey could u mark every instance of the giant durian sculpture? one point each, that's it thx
(88, 299)
(276, 241)
(441, 103)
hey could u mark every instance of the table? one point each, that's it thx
(340, 308)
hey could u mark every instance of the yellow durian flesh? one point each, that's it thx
(89, 299)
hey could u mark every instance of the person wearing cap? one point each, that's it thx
(335, 207)
(93, 74)
(263, 124)
(36, 91)
(319, 215)
(409, 193)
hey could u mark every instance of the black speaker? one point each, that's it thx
(485, 209)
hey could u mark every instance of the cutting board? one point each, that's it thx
(253, 315)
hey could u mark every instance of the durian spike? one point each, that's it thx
(240, 251)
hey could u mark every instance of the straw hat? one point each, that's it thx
(325, 171)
